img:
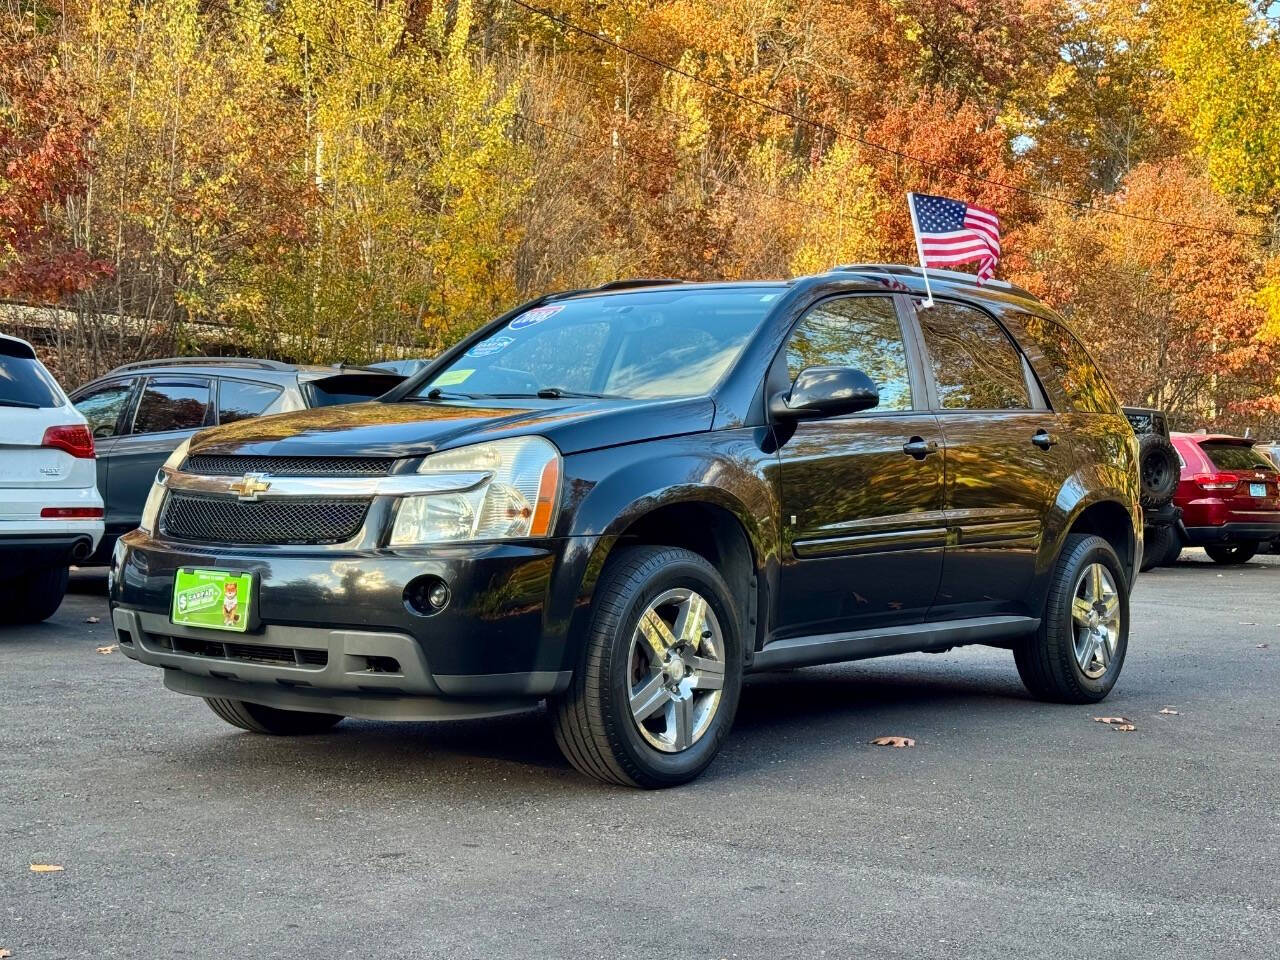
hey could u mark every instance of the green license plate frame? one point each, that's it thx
(214, 599)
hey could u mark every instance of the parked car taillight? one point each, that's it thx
(74, 438)
(71, 513)
(1216, 481)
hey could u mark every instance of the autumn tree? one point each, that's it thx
(1171, 312)
(44, 133)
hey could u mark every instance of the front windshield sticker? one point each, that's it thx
(530, 317)
(486, 347)
(451, 378)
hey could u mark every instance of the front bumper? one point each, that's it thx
(335, 634)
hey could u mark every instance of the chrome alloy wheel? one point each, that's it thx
(676, 670)
(1095, 616)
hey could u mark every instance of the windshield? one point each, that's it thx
(650, 344)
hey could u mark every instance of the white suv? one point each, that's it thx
(50, 509)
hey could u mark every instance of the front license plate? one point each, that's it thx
(214, 599)
(1257, 489)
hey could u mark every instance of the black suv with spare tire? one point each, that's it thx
(621, 500)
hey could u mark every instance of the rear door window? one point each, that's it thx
(240, 400)
(24, 382)
(172, 403)
(103, 405)
(975, 364)
(1235, 456)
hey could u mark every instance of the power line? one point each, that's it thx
(871, 144)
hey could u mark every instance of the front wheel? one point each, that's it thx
(1231, 553)
(257, 718)
(657, 684)
(1078, 651)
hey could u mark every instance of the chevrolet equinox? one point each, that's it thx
(621, 500)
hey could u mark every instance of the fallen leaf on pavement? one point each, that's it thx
(1172, 713)
(92, 619)
(894, 742)
(1111, 719)
(5, 953)
(111, 648)
(1123, 727)
(45, 868)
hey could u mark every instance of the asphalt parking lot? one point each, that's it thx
(1012, 829)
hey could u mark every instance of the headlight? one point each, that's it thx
(517, 499)
(151, 509)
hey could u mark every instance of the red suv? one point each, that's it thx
(1229, 494)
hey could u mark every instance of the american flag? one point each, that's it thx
(952, 232)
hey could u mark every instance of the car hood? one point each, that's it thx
(414, 428)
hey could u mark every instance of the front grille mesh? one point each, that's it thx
(213, 465)
(296, 520)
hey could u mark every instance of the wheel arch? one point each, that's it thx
(1109, 519)
(710, 522)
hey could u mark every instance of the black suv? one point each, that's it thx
(621, 500)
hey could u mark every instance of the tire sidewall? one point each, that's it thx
(654, 764)
(1100, 551)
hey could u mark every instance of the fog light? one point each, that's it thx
(426, 595)
(438, 595)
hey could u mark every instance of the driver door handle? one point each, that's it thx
(1043, 439)
(919, 448)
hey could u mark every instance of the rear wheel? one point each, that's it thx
(1078, 651)
(257, 718)
(1232, 553)
(655, 691)
(33, 596)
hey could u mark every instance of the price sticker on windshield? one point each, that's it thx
(530, 317)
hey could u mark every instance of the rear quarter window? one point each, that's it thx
(1072, 371)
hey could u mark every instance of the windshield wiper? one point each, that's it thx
(435, 393)
(559, 393)
(19, 403)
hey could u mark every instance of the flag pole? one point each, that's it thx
(915, 231)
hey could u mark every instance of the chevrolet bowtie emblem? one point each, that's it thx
(250, 485)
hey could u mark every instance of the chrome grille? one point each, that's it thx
(296, 520)
(215, 465)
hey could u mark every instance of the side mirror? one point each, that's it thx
(825, 392)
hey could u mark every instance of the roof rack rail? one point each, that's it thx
(958, 276)
(205, 361)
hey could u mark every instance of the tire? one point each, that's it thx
(1174, 552)
(1232, 554)
(593, 720)
(1047, 660)
(257, 718)
(33, 597)
(1158, 468)
(1160, 541)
